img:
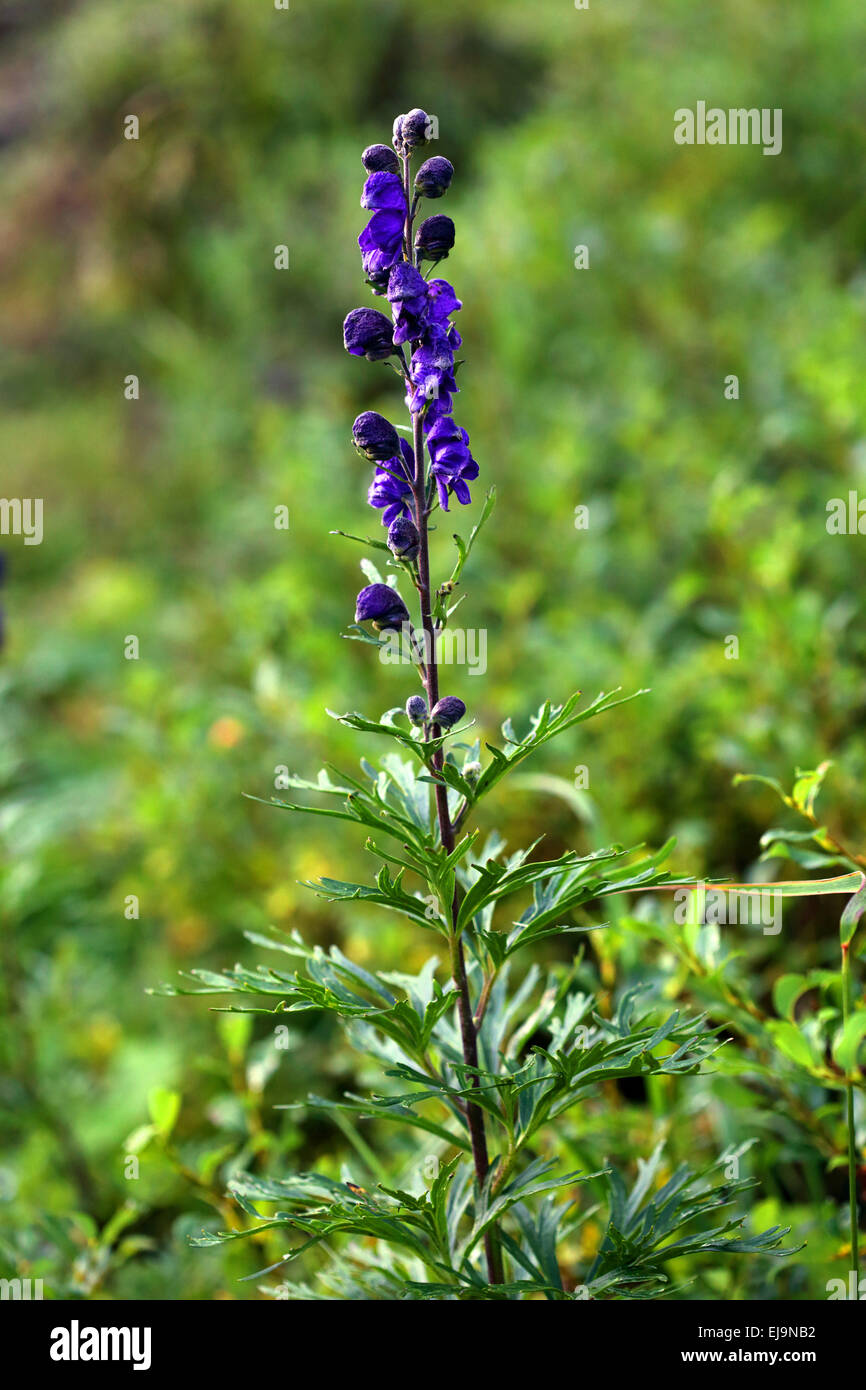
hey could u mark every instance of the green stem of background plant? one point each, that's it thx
(852, 1138)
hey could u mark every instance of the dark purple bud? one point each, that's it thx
(374, 437)
(403, 538)
(434, 238)
(415, 128)
(447, 711)
(382, 606)
(368, 333)
(434, 177)
(378, 159)
(416, 708)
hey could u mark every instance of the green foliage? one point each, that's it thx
(408, 1025)
(707, 518)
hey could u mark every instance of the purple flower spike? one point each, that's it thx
(407, 295)
(422, 315)
(382, 606)
(367, 333)
(447, 712)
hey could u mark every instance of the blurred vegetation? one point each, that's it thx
(602, 387)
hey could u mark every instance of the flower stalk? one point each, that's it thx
(403, 487)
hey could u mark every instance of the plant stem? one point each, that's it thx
(468, 1033)
(852, 1138)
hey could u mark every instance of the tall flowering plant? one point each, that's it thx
(477, 1066)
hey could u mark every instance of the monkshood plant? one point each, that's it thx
(478, 1054)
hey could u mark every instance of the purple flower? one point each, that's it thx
(403, 538)
(431, 372)
(451, 462)
(447, 711)
(407, 295)
(381, 244)
(391, 487)
(367, 333)
(378, 158)
(434, 238)
(383, 190)
(374, 437)
(382, 606)
(434, 177)
(443, 302)
(381, 241)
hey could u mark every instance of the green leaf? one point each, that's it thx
(164, 1107)
(786, 991)
(372, 574)
(790, 1041)
(387, 893)
(741, 777)
(852, 914)
(464, 547)
(550, 721)
(362, 540)
(847, 1042)
(807, 787)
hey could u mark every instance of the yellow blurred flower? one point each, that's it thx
(226, 732)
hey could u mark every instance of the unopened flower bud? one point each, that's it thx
(368, 333)
(434, 238)
(378, 159)
(434, 177)
(375, 438)
(447, 712)
(416, 708)
(411, 130)
(382, 606)
(403, 538)
(472, 771)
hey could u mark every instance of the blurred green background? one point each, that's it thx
(602, 387)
